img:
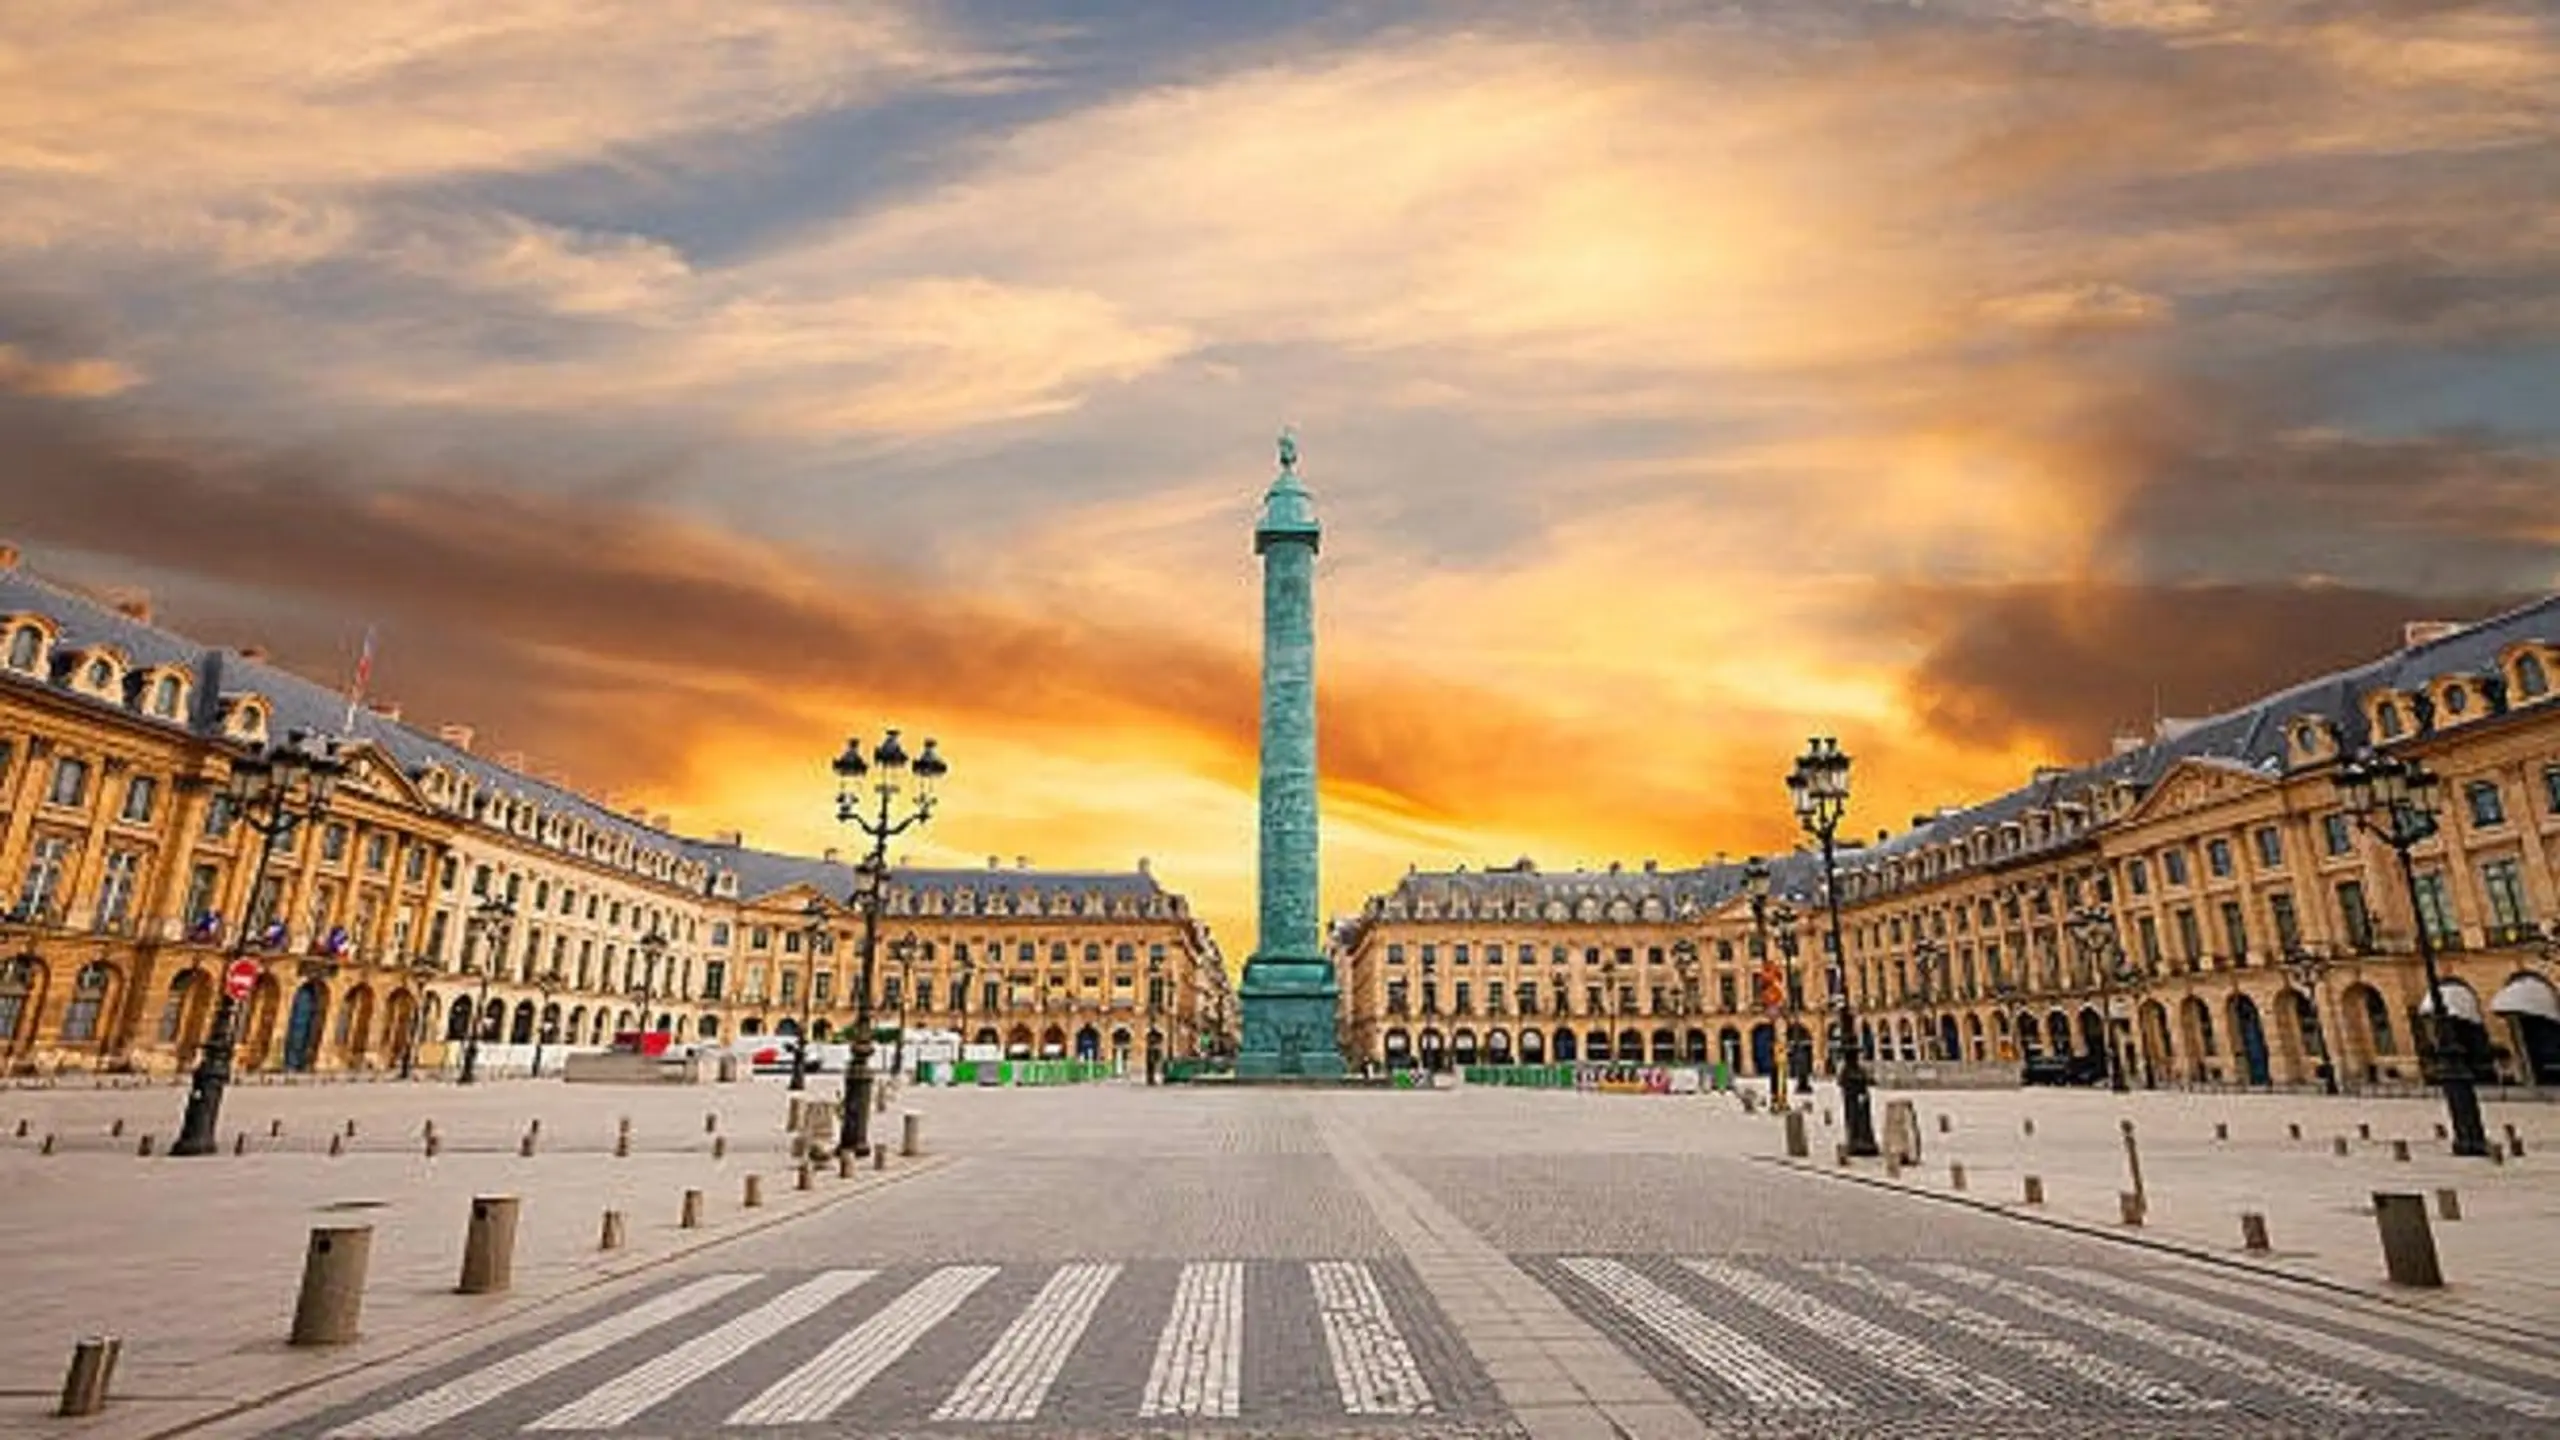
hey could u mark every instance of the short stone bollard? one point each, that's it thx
(690, 1217)
(2293, 1131)
(2221, 1130)
(275, 1129)
(844, 1164)
(1955, 1175)
(711, 1122)
(719, 1147)
(331, 1304)
(2441, 1132)
(792, 1116)
(2133, 1165)
(610, 1236)
(2129, 1207)
(1840, 1155)
(489, 1245)
(337, 1144)
(435, 1144)
(2253, 1232)
(1892, 1163)
(2448, 1203)
(93, 1369)
(911, 1134)
(240, 1143)
(22, 1127)
(2408, 1243)
(622, 1145)
(807, 1177)
(2027, 1127)
(2338, 1146)
(1798, 1145)
(116, 1130)
(1945, 1124)
(47, 1147)
(879, 1157)
(2364, 1130)
(2033, 1190)
(524, 1147)
(143, 1147)
(2400, 1151)
(753, 1196)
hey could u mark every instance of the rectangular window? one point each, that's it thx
(2217, 858)
(1727, 998)
(333, 842)
(377, 851)
(790, 942)
(1399, 997)
(1493, 954)
(2137, 877)
(203, 882)
(70, 782)
(2288, 924)
(2338, 832)
(1466, 998)
(2146, 930)
(791, 986)
(2190, 938)
(1430, 997)
(2270, 848)
(2354, 915)
(2551, 788)
(116, 888)
(1395, 954)
(414, 866)
(2488, 806)
(46, 863)
(720, 933)
(2504, 885)
(2435, 910)
(2173, 864)
(1458, 955)
(1430, 956)
(218, 816)
(760, 938)
(141, 793)
(714, 974)
(2235, 931)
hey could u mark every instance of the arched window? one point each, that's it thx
(175, 1012)
(25, 643)
(88, 996)
(2532, 680)
(2387, 721)
(164, 697)
(2377, 1020)
(101, 674)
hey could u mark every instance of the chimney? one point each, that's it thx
(735, 838)
(995, 862)
(131, 604)
(832, 855)
(8, 556)
(2047, 774)
(1021, 862)
(2126, 742)
(511, 759)
(255, 654)
(2427, 632)
(1144, 867)
(387, 709)
(662, 821)
(457, 736)
(1882, 834)
(1651, 867)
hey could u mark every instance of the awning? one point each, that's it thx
(2528, 995)
(2459, 998)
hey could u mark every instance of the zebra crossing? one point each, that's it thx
(1356, 1346)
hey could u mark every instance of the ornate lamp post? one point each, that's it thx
(270, 791)
(1684, 963)
(487, 930)
(1930, 959)
(2093, 934)
(2395, 800)
(814, 935)
(1782, 928)
(903, 952)
(551, 982)
(1155, 982)
(653, 952)
(1820, 785)
(1769, 979)
(421, 969)
(2305, 969)
(888, 811)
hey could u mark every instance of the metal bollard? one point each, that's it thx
(2448, 1203)
(610, 1238)
(332, 1300)
(2408, 1244)
(2221, 1130)
(2133, 1164)
(1798, 1147)
(754, 1197)
(2400, 1151)
(1955, 1175)
(535, 1127)
(719, 1147)
(622, 1145)
(2293, 1131)
(1840, 1154)
(116, 1130)
(489, 1245)
(337, 1144)
(22, 1127)
(47, 1147)
(2364, 1130)
(2253, 1232)
(275, 1129)
(1945, 1125)
(2338, 1146)
(2515, 1144)
(711, 1122)
(879, 1157)
(2028, 1125)
(2129, 1207)
(143, 1148)
(690, 1218)
(911, 1134)
(2033, 1190)
(351, 1129)
(524, 1147)
(435, 1145)
(240, 1143)
(807, 1177)
(2441, 1132)
(93, 1368)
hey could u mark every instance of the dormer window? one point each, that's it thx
(168, 693)
(2388, 722)
(26, 649)
(2532, 677)
(2457, 699)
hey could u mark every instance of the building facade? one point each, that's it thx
(447, 891)
(2234, 924)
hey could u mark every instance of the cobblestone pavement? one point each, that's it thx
(1115, 1261)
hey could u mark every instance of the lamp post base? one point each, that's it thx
(2470, 1132)
(854, 1135)
(197, 1133)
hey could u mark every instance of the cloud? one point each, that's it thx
(87, 378)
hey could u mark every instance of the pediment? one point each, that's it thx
(796, 897)
(2197, 784)
(371, 770)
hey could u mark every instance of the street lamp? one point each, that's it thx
(2093, 934)
(270, 791)
(421, 969)
(1929, 957)
(1771, 981)
(815, 936)
(2305, 969)
(653, 951)
(1155, 981)
(886, 773)
(487, 926)
(2395, 800)
(1820, 787)
(1782, 928)
(904, 953)
(1684, 963)
(551, 982)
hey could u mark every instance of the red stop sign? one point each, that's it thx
(239, 978)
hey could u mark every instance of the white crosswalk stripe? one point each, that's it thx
(2461, 1344)
(1371, 1363)
(1010, 1381)
(1952, 1381)
(1712, 1349)
(2329, 1347)
(424, 1412)
(2319, 1389)
(1199, 1364)
(625, 1396)
(828, 1382)
(2141, 1386)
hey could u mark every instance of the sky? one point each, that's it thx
(680, 388)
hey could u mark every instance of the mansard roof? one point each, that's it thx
(767, 872)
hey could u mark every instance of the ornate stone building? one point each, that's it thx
(2232, 918)
(124, 884)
